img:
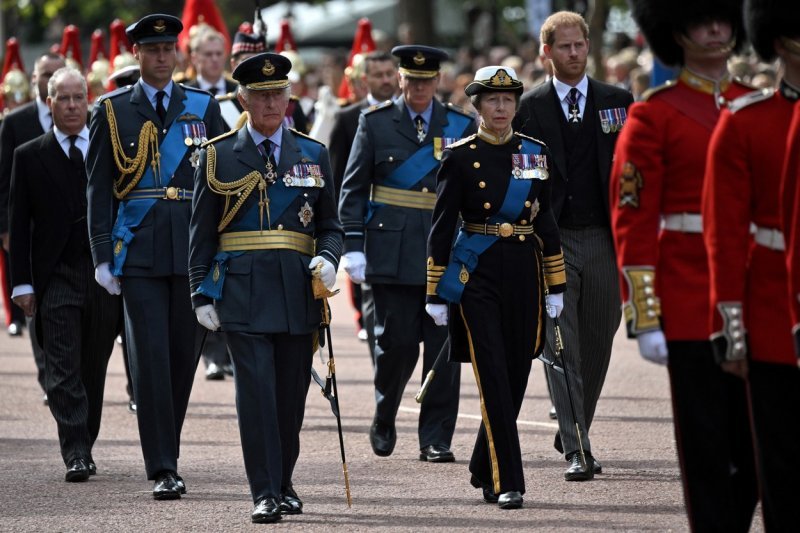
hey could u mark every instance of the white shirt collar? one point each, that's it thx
(562, 89)
(205, 84)
(45, 119)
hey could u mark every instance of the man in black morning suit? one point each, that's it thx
(18, 127)
(52, 271)
(386, 207)
(251, 264)
(579, 118)
(139, 229)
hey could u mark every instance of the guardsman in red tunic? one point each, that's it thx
(656, 186)
(790, 194)
(749, 309)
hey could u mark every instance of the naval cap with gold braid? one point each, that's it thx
(494, 78)
(263, 72)
(418, 61)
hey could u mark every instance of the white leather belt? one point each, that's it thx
(770, 238)
(683, 222)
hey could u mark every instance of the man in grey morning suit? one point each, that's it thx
(250, 270)
(141, 248)
(386, 206)
(579, 119)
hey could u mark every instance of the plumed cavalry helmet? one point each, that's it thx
(662, 22)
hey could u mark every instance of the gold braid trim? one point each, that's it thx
(148, 136)
(240, 188)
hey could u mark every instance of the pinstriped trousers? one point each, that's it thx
(591, 316)
(79, 321)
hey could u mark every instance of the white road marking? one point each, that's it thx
(549, 425)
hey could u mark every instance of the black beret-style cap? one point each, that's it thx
(157, 28)
(417, 61)
(263, 72)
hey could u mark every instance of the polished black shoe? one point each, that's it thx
(77, 470)
(181, 484)
(290, 502)
(166, 487)
(267, 510)
(214, 372)
(382, 437)
(597, 468)
(510, 500)
(132, 407)
(15, 329)
(489, 495)
(576, 470)
(228, 369)
(436, 453)
(552, 413)
(92, 467)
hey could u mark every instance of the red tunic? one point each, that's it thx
(742, 185)
(791, 214)
(658, 170)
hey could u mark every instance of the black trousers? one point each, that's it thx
(712, 430)
(272, 373)
(215, 350)
(79, 321)
(400, 325)
(160, 331)
(775, 401)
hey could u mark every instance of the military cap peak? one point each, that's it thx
(419, 61)
(262, 72)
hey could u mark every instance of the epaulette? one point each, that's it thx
(115, 92)
(293, 97)
(528, 137)
(195, 89)
(306, 136)
(219, 137)
(462, 142)
(457, 109)
(654, 90)
(750, 98)
(378, 107)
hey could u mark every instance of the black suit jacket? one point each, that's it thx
(18, 127)
(40, 215)
(540, 116)
(342, 135)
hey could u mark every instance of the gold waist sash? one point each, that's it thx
(403, 198)
(245, 241)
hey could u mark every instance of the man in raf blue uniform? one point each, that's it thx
(144, 143)
(263, 220)
(386, 203)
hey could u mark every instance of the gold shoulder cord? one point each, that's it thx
(148, 136)
(240, 188)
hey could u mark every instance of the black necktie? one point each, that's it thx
(420, 123)
(213, 91)
(574, 110)
(160, 109)
(75, 154)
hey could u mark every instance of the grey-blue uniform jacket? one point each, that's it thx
(160, 243)
(264, 291)
(394, 237)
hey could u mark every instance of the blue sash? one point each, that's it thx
(132, 212)
(280, 197)
(469, 247)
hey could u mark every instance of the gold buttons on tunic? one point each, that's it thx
(523, 222)
(522, 237)
(527, 203)
(280, 226)
(482, 184)
(487, 205)
(473, 146)
(424, 189)
(391, 158)
(476, 164)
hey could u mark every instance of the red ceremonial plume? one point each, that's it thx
(286, 39)
(362, 44)
(71, 45)
(196, 12)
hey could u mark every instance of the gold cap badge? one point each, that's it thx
(419, 59)
(501, 79)
(268, 69)
(159, 26)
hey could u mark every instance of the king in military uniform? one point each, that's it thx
(386, 202)
(264, 217)
(144, 144)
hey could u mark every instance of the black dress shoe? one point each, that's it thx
(436, 453)
(92, 467)
(228, 369)
(214, 372)
(510, 500)
(267, 510)
(181, 484)
(166, 486)
(77, 470)
(290, 502)
(489, 495)
(552, 413)
(382, 437)
(577, 471)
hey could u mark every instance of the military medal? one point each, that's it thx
(304, 175)
(440, 144)
(605, 123)
(194, 159)
(187, 134)
(305, 214)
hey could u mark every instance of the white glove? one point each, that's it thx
(327, 273)
(554, 304)
(653, 346)
(438, 312)
(104, 278)
(207, 316)
(355, 263)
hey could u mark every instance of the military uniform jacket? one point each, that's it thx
(264, 291)
(392, 237)
(472, 184)
(742, 186)
(658, 170)
(790, 192)
(160, 243)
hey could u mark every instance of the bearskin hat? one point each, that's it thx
(769, 19)
(660, 20)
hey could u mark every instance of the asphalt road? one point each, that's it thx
(632, 436)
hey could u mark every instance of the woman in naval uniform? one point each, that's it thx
(491, 285)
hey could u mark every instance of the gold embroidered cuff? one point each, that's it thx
(643, 308)
(555, 272)
(435, 273)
